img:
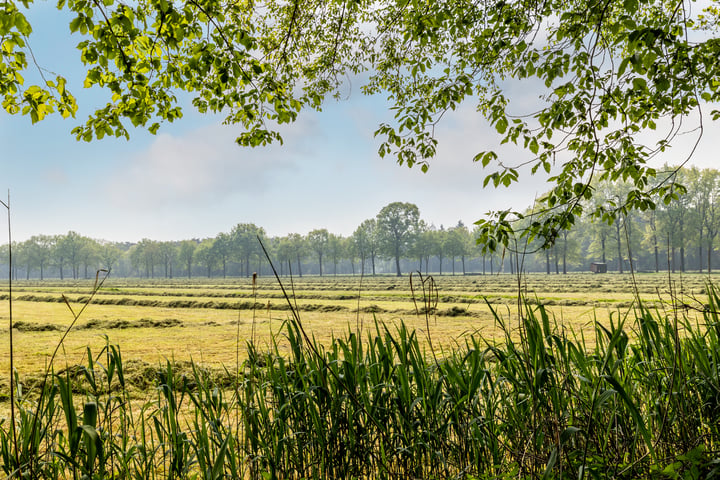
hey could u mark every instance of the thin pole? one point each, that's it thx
(12, 351)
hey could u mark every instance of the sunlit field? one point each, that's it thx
(451, 377)
(203, 319)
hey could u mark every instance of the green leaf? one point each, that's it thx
(485, 158)
(630, 6)
(534, 147)
(633, 410)
(501, 125)
(22, 25)
(639, 84)
(623, 66)
(75, 24)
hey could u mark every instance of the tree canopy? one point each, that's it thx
(617, 80)
(397, 226)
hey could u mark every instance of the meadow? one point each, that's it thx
(202, 319)
(585, 376)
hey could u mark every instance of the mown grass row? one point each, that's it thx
(642, 400)
(382, 287)
(316, 307)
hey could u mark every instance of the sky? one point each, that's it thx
(192, 181)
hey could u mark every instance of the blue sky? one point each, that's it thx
(192, 181)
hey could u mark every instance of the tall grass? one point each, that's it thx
(639, 398)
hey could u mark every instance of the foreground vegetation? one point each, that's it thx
(642, 399)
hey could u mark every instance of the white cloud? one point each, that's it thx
(204, 167)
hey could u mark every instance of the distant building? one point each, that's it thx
(598, 267)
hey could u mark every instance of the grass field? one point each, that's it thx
(183, 319)
(448, 381)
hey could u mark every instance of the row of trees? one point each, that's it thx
(379, 245)
(676, 236)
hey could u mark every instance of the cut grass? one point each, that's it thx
(639, 401)
(175, 327)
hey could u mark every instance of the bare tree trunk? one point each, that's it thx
(547, 260)
(397, 261)
(619, 247)
(672, 258)
(700, 257)
(682, 257)
(709, 257)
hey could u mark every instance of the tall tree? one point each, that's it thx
(69, 248)
(438, 243)
(109, 255)
(21, 256)
(397, 224)
(318, 240)
(245, 243)
(299, 247)
(458, 244)
(223, 250)
(367, 242)
(350, 251)
(89, 255)
(336, 250)
(285, 254)
(148, 253)
(41, 247)
(698, 205)
(673, 217)
(207, 255)
(186, 254)
(167, 252)
(430, 239)
(421, 249)
(710, 181)
(650, 238)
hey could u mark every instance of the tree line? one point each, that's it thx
(387, 243)
(677, 233)
(680, 235)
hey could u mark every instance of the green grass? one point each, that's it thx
(198, 319)
(538, 400)
(464, 391)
